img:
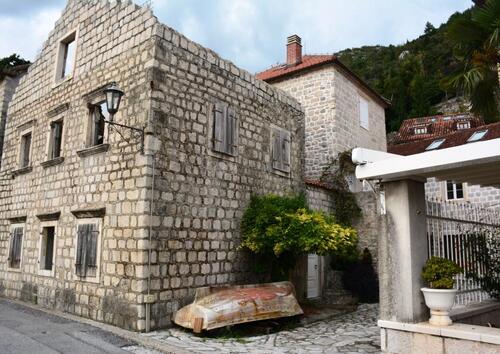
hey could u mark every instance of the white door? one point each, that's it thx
(312, 276)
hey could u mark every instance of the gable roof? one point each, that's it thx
(436, 126)
(310, 62)
(452, 139)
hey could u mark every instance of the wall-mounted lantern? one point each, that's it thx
(113, 98)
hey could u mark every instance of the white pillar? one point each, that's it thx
(403, 252)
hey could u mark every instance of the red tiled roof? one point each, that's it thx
(452, 139)
(436, 126)
(282, 71)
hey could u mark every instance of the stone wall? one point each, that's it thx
(331, 104)
(368, 226)
(7, 88)
(201, 194)
(114, 43)
(485, 196)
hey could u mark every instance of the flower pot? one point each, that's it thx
(439, 301)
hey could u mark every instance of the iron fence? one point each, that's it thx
(453, 232)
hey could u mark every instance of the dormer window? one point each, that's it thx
(463, 125)
(476, 136)
(422, 129)
(65, 64)
(435, 144)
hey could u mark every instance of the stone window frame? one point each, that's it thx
(364, 101)
(211, 151)
(82, 221)
(464, 191)
(70, 36)
(280, 172)
(43, 225)
(88, 149)
(23, 240)
(20, 155)
(52, 161)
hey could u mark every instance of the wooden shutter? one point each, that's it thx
(16, 247)
(26, 150)
(81, 250)
(231, 132)
(92, 236)
(276, 149)
(57, 139)
(219, 128)
(285, 159)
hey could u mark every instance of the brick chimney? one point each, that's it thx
(293, 50)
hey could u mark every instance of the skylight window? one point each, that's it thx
(435, 144)
(477, 136)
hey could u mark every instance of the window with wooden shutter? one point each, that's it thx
(25, 150)
(55, 142)
(225, 131)
(86, 250)
(281, 150)
(16, 242)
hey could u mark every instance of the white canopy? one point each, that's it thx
(474, 163)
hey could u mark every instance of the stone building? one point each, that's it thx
(341, 112)
(419, 135)
(9, 79)
(90, 224)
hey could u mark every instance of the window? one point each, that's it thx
(15, 248)
(47, 249)
(363, 113)
(55, 142)
(281, 149)
(435, 144)
(454, 190)
(477, 135)
(86, 249)
(463, 125)
(420, 130)
(24, 156)
(66, 57)
(225, 131)
(98, 113)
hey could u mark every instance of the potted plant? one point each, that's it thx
(440, 295)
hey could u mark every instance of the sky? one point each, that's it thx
(251, 33)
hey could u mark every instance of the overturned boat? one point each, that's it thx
(215, 307)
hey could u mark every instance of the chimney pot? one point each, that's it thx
(293, 50)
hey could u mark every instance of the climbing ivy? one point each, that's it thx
(335, 178)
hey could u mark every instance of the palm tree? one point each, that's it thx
(477, 46)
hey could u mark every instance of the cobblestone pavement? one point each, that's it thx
(356, 332)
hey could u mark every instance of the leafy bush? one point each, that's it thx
(361, 279)
(439, 272)
(278, 229)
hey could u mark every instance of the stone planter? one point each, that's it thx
(439, 301)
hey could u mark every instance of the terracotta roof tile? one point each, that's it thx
(452, 139)
(435, 126)
(282, 71)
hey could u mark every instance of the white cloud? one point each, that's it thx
(25, 36)
(252, 33)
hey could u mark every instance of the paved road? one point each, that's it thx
(26, 330)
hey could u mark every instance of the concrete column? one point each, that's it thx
(403, 252)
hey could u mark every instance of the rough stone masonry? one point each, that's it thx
(95, 201)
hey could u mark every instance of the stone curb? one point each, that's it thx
(140, 339)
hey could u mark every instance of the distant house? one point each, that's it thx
(341, 112)
(419, 135)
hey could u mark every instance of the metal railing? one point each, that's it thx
(452, 232)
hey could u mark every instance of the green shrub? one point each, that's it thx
(439, 272)
(278, 229)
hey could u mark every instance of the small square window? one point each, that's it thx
(280, 150)
(420, 130)
(66, 57)
(463, 125)
(47, 248)
(225, 130)
(364, 120)
(25, 152)
(477, 136)
(55, 142)
(454, 190)
(97, 115)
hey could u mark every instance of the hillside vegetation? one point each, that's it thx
(413, 76)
